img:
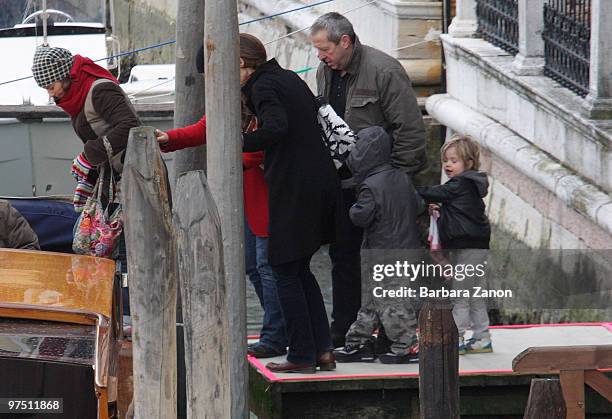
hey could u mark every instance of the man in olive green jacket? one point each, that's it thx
(377, 89)
(366, 87)
(15, 232)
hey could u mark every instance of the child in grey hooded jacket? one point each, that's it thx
(386, 208)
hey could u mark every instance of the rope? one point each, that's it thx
(288, 11)
(303, 29)
(174, 40)
(307, 69)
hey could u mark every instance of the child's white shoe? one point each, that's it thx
(478, 346)
(462, 349)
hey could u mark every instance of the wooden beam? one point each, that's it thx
(204, 297)
(572, 386)
(438, 362)
(152, 274)
(224, 161)
(552, 359)
(31, 112)
(188, 109)
(599, 382)
(545, 400)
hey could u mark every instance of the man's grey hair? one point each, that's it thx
(335, 24)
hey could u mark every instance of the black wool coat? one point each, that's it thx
(463, 222)
(304, 189)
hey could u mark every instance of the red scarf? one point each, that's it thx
(82, 74)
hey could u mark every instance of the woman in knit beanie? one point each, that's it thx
(99, 109)
(97, 106)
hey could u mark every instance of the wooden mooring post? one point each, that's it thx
(204, 297)
(545, 400)
(152, 275)
(188, 109)
(438, 361)
(189, 104)
(224, 165)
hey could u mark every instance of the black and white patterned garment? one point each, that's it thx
(51, 64)
(337, 136)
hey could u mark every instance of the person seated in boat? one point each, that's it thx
(15, 232)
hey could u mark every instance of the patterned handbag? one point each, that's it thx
(96, 232)
(338, 138)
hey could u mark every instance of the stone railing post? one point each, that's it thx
(600, 91)
(464, 24)
(530, 59)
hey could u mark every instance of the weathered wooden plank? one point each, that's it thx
(599, 382)
(188, 109)
(438, 362)
(189, 104)
(545, 400)
(204, 297)
(224, 161)
(572, 386)
(152, 275)
(548, 359)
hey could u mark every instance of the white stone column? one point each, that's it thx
(600, 90)
(464, 24)
(530, 59)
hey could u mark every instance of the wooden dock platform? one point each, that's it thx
(488, 386)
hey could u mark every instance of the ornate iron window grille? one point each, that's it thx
(498, 23)
(567, 43)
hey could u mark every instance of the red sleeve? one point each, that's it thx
(189, 136)
(251, 160)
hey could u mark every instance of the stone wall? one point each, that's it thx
(550, 166)
(385, 24)
(141, 23)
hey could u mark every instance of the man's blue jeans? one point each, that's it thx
(272, 333)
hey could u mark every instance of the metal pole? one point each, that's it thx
(225, 177)
(44, 19)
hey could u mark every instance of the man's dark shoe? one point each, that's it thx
(263, 351)
(286, 367)
(326, 361)
(354, 353)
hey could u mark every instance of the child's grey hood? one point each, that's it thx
(480, 180)
(371, 151)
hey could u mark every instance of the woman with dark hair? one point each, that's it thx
(272, 340)
(304, 194)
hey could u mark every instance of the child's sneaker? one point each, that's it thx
(411, 356)
(355, 353)
(478, 346)
(462, 346)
